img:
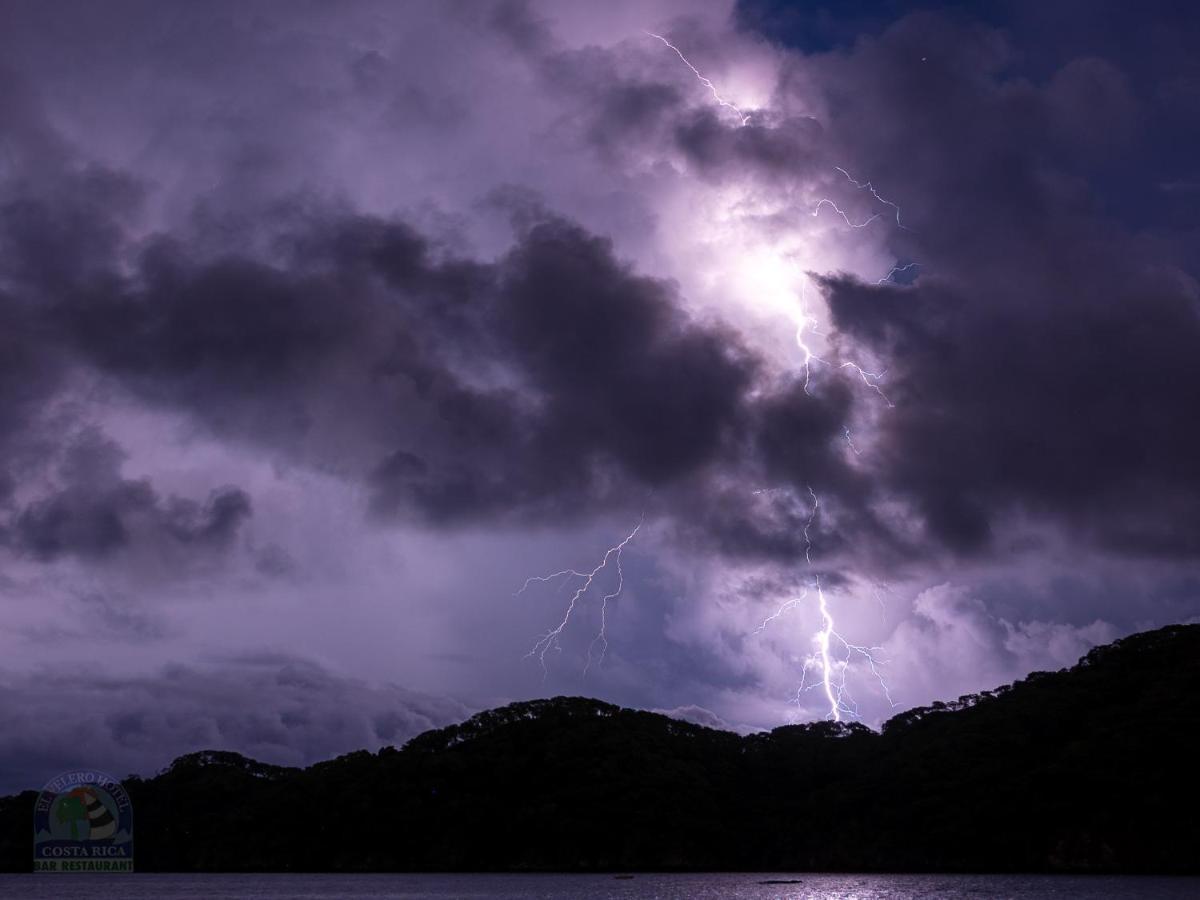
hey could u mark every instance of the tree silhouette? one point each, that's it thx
(1087, 769)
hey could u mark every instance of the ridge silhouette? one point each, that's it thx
(1089, 769)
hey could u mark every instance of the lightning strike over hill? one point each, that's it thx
(832, 670)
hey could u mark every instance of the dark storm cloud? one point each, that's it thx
(248, 242)
(81, 211)
(62, 229)
(1046, 365)
(551, 380)
(1044, 362)
(1077, 407)
(27, 376)
(608, 378)
(94, 512)
(632, 376)
(1040, 364)
(58, 228)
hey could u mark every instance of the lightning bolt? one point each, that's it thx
(831, 668)
(743, 117)
(870, 379)
(783, 608)
(832, 671)
(867, 186)
(864, 186)
(550, 640)
(878, 590)
(896, 270)
(601, 637)
(806, 323)
(825, 201)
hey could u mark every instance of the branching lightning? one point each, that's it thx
(833, 670)
(830, 668)
(601, 637)
(550, 640)
(806, 323)
(862, 186)
(743, 117)
(833, 653)
(867, 186)
(825, 201)
(783, 608)
(870, 379)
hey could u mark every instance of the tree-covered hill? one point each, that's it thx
(1093, 768)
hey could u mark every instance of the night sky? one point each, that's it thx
(327, 327)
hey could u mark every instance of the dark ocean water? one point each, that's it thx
(593, 887)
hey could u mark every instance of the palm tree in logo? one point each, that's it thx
(83, 803)
(71, 810)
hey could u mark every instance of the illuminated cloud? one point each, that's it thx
(323, 329)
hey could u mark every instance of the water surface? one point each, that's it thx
(594, 887)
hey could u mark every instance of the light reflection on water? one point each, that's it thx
(596, 887)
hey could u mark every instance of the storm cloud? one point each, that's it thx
(323, 329)
(554, 381)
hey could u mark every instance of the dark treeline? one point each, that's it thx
(1088, 769)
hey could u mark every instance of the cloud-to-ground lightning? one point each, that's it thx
(550, 640)
(743, 117)
(832, 670)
